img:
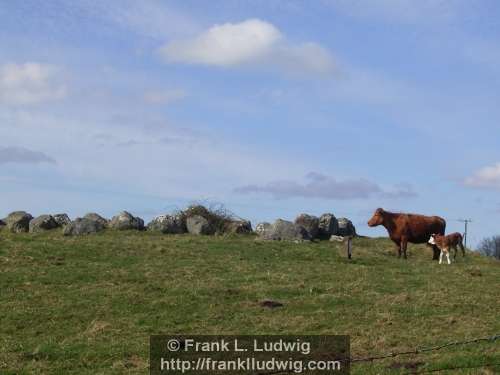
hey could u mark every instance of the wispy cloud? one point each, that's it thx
(326, 187)
(29, 83)
(23, 155)
(164, 96)
(150, 18)
(249, 43)
(408, 12)
(486, 177)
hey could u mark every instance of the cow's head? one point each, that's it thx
(432, 240)
(377, 218)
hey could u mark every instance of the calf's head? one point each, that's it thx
(377, 218)
(432, 240)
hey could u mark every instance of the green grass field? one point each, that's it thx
(87, 305)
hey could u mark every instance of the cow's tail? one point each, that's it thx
(461, 244)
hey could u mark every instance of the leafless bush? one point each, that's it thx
(490, 247)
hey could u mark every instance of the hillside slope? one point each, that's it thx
(88, 305)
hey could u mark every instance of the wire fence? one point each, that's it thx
(426, 349)
(422, 350)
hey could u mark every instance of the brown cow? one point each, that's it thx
(404, 228)
(445, 243)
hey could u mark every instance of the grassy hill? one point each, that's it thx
(87, 305)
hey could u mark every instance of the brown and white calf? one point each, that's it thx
(445, 243)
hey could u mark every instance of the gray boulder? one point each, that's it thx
(262, 228)
(346, 227)
(42, 223)
(83, 225)
(168, 224)
(199, 225)
(328, 225)
(283, 230)
(62, 219)
(310, 223)
(238, 227)
(126, 221)
(18, 221)
(96, 217)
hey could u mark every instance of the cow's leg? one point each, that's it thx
(398, 247)
(435, 252)
(448, 256)
(455, 254)
(441, 257)
(404, 245)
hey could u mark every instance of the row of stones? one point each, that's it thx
(21, 221)
(305, 227)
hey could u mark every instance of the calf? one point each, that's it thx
(444, 243)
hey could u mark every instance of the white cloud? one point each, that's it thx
(486, 177)
(29, 83)
(164, 96)
(251, 42)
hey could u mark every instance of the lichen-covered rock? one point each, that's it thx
(262, 228)
(42, 223)
(62, 219)
(199, 225)
(346, 227)
(96, 217)
(126, 221)
(238, 227)
(283, 230)
(18, 221)
(310, 223)
(328, 225)
(168, 224)
(83, 225)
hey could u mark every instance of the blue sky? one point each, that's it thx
(270, 107)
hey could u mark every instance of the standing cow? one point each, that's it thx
(404, 228)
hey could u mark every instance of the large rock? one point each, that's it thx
(283, 230)
(346, 227)
(62, 219)
(169, 224)
(83, 226)
(310, 223)
(238, 227)
(42, 223)
(262, 228)
(199, 225)
(328, 225)
(96, 217)
(126, 221)
(18, 221)
(334, 238)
